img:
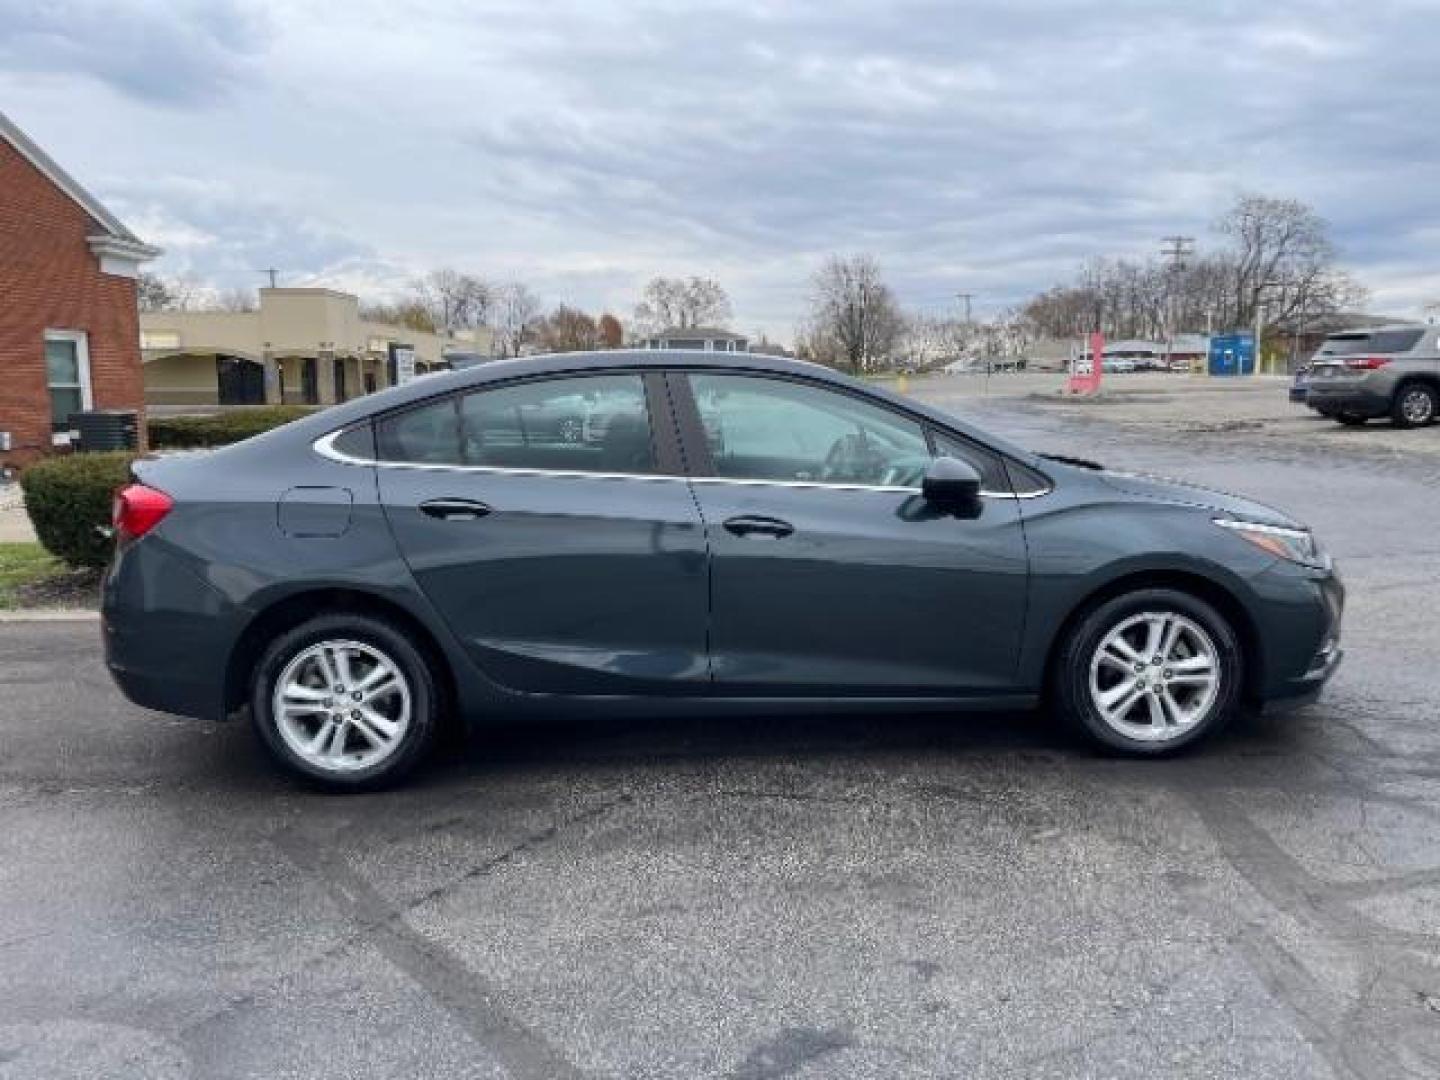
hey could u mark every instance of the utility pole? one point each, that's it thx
(272, 273)
(1177, 249)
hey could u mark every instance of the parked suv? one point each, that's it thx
(1359, 375)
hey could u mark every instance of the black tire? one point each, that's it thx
(1352, 419)
(424, 700)
(1072, 670)
(1416, 405)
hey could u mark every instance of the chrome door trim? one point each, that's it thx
(325, 447)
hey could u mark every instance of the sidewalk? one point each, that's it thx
(14, 524)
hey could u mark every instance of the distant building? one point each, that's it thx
(301, 346)
(68, 335)
(707, 339)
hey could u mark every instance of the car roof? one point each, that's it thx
(1367, 331)
(495, 371)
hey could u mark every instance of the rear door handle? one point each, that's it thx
(454, 509)
(755, 525)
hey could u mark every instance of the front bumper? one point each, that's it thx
(1308, 608)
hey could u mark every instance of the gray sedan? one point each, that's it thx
(742, 534)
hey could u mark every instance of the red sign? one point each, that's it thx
(1083, 381)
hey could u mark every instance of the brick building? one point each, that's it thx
(69, 330)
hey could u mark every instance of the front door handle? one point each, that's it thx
(454, 509)
(755, 525)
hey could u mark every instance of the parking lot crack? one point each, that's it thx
(471, 1000)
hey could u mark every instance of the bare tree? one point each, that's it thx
(409, 313)
(455, 300)
(567, 329)
(929, 340)
(237, 298)
(154, 293)
(612, 334)
(1275, 247)
(854, 320)
(682, 304)
(514, 315)
(1283, 247)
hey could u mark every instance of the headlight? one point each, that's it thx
(1296, 545)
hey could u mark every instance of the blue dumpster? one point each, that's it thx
(1232, 354)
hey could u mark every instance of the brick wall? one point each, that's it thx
(50, 280)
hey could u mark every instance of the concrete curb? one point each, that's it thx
(48, 616)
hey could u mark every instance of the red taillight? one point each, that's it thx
(1366, 363)
(137, 510)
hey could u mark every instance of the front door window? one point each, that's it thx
(774, 429)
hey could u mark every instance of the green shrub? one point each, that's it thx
(68, 499)
(181, 432)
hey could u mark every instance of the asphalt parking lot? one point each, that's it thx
(884, 897)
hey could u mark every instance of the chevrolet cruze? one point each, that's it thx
(675, 532)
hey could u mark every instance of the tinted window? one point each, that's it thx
(772, 429)
(1381, 341)
(986, 462)
(358, 442)
(596, 423)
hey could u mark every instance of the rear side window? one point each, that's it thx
(594, 423)
(1380, 341)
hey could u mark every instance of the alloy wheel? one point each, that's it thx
(1155, 676)
(1417, 406)
(342, 705)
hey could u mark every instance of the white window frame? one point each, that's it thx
(81, 340)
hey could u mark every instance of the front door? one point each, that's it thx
(239, 381)
(545, 521)
(829, 573)
(309, 381)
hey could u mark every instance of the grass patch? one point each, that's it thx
(24, 566)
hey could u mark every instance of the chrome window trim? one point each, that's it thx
(325, 447)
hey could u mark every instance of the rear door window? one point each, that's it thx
(593, 423)
(1378, 341)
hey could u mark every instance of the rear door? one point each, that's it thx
(829, 574)
(547, 521)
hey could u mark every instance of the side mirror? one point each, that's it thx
(950, 482)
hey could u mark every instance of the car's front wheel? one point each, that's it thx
(345, 701)
(1150, 671)
(1415, 406)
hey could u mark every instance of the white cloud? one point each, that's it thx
(583, 145)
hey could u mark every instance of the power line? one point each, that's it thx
(1177, 249)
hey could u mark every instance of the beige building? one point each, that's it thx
(301, 346)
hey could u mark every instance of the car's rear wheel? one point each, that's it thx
(1416, 405)
(345, 701)
(1149, 672)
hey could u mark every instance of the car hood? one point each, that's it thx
(1203, 498)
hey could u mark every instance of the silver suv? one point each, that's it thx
(1393, 371)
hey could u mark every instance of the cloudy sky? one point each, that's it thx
(981, 146)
